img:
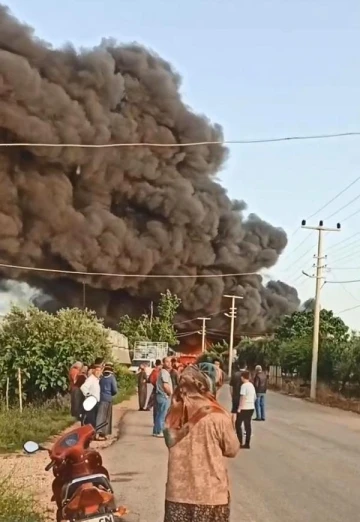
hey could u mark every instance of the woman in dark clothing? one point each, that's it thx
(108, 389)
(142, 387)
(76, 381)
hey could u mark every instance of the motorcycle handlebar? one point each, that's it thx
(49, 466)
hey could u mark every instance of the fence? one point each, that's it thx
(19, 390)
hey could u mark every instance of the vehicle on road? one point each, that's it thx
(81, 488)
(146, 352)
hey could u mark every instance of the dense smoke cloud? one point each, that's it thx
(136, 210)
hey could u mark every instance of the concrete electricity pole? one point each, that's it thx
(203, 333)
(319, 276)
(232, 316)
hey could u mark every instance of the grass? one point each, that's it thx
(34, 423)
(16, 506)
(39, 423)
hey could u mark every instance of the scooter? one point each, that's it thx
(81, 487)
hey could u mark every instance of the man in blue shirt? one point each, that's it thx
(164, 390)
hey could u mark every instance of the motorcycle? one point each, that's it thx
(81, 487)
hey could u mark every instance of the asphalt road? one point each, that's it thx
(303, 466)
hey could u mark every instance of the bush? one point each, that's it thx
(44, 347)
(15, 506)
(126, 382)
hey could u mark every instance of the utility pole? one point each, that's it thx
(84, 295)
(319, 276)
(203, 331)
(232, 316)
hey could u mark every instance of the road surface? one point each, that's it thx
(303, 466)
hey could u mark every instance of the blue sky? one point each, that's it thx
(261, 69)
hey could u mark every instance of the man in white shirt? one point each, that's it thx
(245, 409)
(92, 387)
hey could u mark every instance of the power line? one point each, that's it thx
(195, 318)
(346, 290)
(189, 144)
(345, 268)
(347, 256)
(147, 276)
(323, 207)
(351, 215)
(343, 207)
(336, 245)
(348, 309)
(334, 198)
(342, 282)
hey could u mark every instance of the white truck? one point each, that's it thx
(146, 352)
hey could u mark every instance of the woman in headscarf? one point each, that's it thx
(199, 434)
(76, 381)
(108, 389)
(142, 380)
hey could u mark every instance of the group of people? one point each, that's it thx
(164, 379)
(99, 381)
(192, 422)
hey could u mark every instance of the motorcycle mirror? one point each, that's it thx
(31, 447)
(89, 403)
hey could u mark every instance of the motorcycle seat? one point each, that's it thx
(88, 498)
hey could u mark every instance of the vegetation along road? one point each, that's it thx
(303, 466)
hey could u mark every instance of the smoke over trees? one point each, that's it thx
(129, 210)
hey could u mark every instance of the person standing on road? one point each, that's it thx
(76, 382)
(164, 389)
(245, 409)
(92, 387)
(153, 380)
(235, 387)
(142, 381)
(219, 375)
(174, 373)
(108, 390)
(199, 434)
(260, 384)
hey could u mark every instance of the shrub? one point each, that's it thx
(15, 506)
(44, 346)
(126, 382)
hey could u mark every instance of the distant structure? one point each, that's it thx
(119, 347)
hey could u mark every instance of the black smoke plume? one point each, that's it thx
(133, 210)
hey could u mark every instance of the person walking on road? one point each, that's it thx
(164, 389)
(199, 434)
(260, 384)
(245, 409)
(142, 381)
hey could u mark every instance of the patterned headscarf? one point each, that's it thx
(192, 400)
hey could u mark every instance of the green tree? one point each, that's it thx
(258, 351)
(295, 356)
(300, 325)
(44, 346)
(158, 327)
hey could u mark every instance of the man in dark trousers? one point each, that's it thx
(260, 384)
(235, 387)
(245, 410)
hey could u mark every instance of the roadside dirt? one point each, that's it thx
(27, 472)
